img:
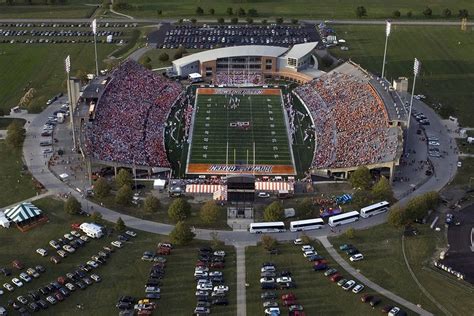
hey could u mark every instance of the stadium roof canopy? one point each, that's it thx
(300, 50)
(233, 51)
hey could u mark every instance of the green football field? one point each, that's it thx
(223, 133)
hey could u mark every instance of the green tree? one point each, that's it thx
(215, 241)
(199, 11)
(209, 212)
(234, 20)
(427, 12)
(101, 187)
(2, 112)
(273, 212)
(268, 242)
(397, 13)
(229, 11)
(180, 21)
(361, 198)
(294, 21)
(241, 12)
(182, 234)
(124, 195)
(9, 2)
(72, 206)
(249, 20)
(159, 12)
(409, 14)
(279, 20)
(463, 13)
(361, 178)
(123, 178)
(164, 57)
(350, 233)
(15, 134)
(252, 12)
(180, 52)
(361, 11)
(81, 74)
(120, 225)
(396, 216)
(179, 210)
(152, 204)
(193, 21)
(96, 217)
(382, 190)
(447, 13)
(145, 61)
(220, 20)
(264, 21)
(305, 208)
(212, 11)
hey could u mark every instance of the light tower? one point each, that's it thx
(416, 71)
(67, 64)
(387, 34)
(94, 30)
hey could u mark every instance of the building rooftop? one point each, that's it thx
(300, 50)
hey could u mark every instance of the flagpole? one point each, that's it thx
(94, 30)
(387, 34)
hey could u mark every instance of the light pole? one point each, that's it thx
(416, 71)
(94, 30)
(387, 34)
(67, 64)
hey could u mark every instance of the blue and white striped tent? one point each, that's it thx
(22, 212)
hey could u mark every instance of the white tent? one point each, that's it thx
(159, 184)
(4, 222)
(22, 212)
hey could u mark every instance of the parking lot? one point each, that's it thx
(56, 33)
(304, 283)
(210, 36)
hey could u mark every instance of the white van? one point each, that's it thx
(356, 257)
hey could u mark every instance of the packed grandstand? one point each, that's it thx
(350, 123)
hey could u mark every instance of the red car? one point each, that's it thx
(217, 265)
(17, 264)
(366, 298)
(200, 263)
(297, 313)
(335, 277)
(288, 296)
(61, 280)
(290, 302)
(322, 261)
(163, 251)
(59, 296)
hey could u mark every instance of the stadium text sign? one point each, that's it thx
(202, 168)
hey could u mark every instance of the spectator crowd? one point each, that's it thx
(350, 121)
(131, 117)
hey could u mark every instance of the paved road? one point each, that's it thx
(346, 266)
(128, 20)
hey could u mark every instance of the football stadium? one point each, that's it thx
(255, 109)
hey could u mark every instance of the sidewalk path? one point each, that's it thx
(346, 266)
(241, 280)
(31, 199)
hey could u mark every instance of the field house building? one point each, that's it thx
(272, 61)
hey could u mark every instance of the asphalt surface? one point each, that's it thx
(460, 255)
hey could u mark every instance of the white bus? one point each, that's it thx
(267, 227)
(306, 224)
(344, 218)
(374, 209)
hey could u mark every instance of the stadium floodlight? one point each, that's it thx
(94, 30)
(67, 64)
(387, 33)
(416, 72)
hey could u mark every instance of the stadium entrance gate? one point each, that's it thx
(240, 196)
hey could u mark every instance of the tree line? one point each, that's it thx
(361, 12)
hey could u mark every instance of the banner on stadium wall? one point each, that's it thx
(203, 168)
(274, 186)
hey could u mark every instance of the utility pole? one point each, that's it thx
(387, 34)
(416, 71)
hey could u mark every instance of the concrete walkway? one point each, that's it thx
(241, 280)
(31, 199)
(118, 13)
(346, 266)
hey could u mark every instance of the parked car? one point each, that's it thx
(17, 282)
(366, 298)
(298, 241)
(358, 288)
(42, 252)
(131, 233)
(117, 244)
(348, 285)
(375, 301)
(8, 287)
(330, 272)
(55, 259)
(356, 257)
(33, 273)
(220, 301)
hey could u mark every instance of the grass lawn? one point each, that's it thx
(14, 185)
(465, 173)
(384, 264)
(41, 66)
(464, 146)
(314, 291)
(124, 274)
(46, 11)
(445, 54)
(296, 8)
